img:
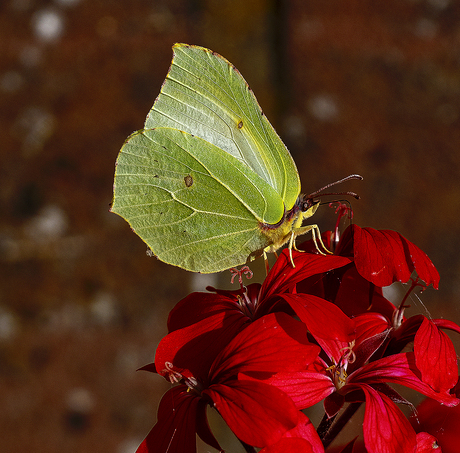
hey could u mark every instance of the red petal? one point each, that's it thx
(333, 404)
(176, 427)
(386, 429)
(276, 342)
(384, 257)
(348, 290)
(198, 306)
(368, 325)
(446, 324)
(372, 329)
(332, 329)
(282, 276)
(306, 430)
(426, 443)
(192, 349)
(422, 264)
(441, 421)
(305, 388)
(302, 439)
(257, 413)
(435, 357)
(289, 445)
(356, 295)
(399, 369)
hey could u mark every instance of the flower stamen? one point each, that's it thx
(170, 374)
(338, 374)
(350, 355)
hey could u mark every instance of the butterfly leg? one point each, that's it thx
(265, 255)
(316, 236)
(267, 266)
(292, 246)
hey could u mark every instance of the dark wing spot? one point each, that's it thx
(240, 124)
(188, 181)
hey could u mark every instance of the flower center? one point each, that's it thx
(174, 376)
(338, 375)
(338, 371)
(246, 305)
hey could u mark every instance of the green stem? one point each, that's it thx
(324, 426)
(331, 432)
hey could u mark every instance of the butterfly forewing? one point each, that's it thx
(205, 95)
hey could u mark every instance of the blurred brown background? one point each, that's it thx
(351, 86)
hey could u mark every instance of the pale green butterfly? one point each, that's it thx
(208, 184)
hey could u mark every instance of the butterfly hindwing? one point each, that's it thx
(196, 206)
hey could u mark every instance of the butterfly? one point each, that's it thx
(207, 183)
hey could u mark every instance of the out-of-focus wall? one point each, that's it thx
(351, 86)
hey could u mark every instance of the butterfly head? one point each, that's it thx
(307, 205)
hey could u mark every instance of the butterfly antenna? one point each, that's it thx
(351, 194)
(340, 181)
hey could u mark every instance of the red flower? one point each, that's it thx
(208, 321)
(258, 414)
(426, 443)
(243, 353)
(441, 421)
(348, 374)
(378, 258)
(384, 256)
(295, 440)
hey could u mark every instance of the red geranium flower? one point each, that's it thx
(348, 374)
(209, 321)
(295, 440)
(259, 414)
(378, 258)
(441, 421)
(243, 353)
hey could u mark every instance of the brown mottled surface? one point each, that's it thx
(352, 87)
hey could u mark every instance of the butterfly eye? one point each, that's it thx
(304, 203)
(308, 203)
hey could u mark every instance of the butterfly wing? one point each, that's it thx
(205, 95)
(195, 205)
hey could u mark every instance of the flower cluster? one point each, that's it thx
(321, 331)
